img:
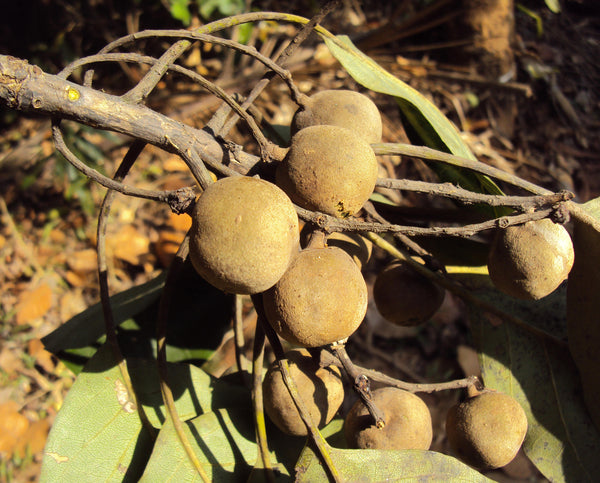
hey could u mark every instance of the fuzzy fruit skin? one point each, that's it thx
(322, 298)
(320, 388)
(344, 108)
(487, 430)
(328, 169)
(407, 422)
(405, 297)
(244, 234)
(530, 261)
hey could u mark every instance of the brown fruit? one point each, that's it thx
(328, 169)
(343, 108)
(487, 430)
(530, 261)
(404, 296)
(407, 422)
(244, 234)
(321, 298)
(320, 388)
(355, 245)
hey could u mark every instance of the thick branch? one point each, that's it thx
(27, 88)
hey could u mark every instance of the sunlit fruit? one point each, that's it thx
(486, 430)
(244, 234)
(407, 422)
(344, 108)
(328, 169)
(530, 261)
(320, 388)
(321, 298)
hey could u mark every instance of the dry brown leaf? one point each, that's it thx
(167, 245)
(129, 245)
(180, 222)
(83, 261)
(13, 426)
(34, 438)
(34, 304)
(74, 279)
(42, 357)
(71, 303)
(10, 362)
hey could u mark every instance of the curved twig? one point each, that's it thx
(448, 190)
(423, 152)
(330, 224)
(161, 343)
(257, 400)
(109, 320)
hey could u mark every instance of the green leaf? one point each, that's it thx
(98, 434)
(583, 302)
(561, 440)
(386, 465)
(224, 444)
(190, 335)
(553, 5)
(88, 326)
(180, 11)
(429, 122)
(225, 8)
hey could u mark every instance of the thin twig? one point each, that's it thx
(466, 197)
(330, 224)
(257, 400)
(329, 359)
(281, 60)
(360, 383)
(423, 152)
(238, 333)
(315, 436)
(161, 336)
(109, 320)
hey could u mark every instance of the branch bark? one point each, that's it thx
(27, 88)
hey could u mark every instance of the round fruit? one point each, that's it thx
(487, 430)
(328, 169)
(321, 298)
(404, 296)
(320, 388)
(343, 108)
(355, 245)
(530, 261)
(244, 234)
(407, 422)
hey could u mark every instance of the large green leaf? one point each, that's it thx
(98, 434)
(540, 374)
(224, 443)
(88, 326)
(583, 302)
(189, 334)
(386, 465)
(433, 128)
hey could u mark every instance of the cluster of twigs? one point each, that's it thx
(27, 88)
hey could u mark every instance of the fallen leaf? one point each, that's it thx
(181, 222)
(33, 303)
(13, 426)
(42, 357)
(129, 245)
(83, 261)
(34, 438)
(167, 245)
(10, 363)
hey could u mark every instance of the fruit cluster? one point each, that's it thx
(245, 239)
